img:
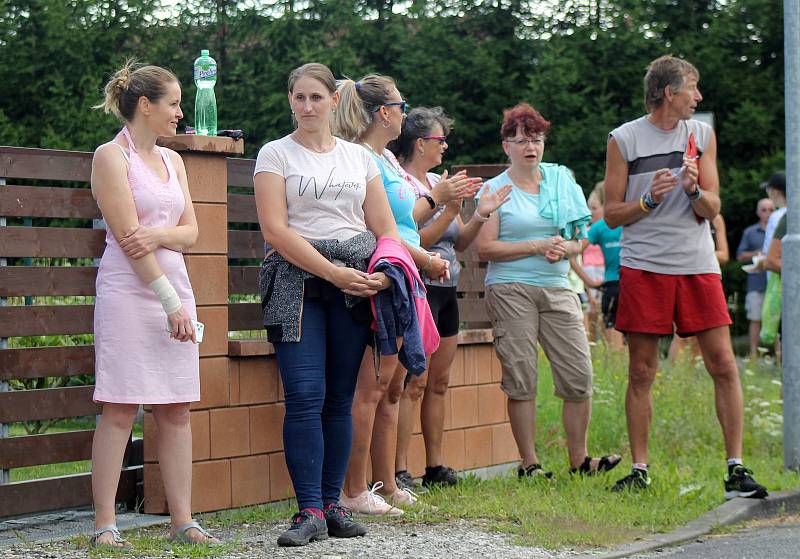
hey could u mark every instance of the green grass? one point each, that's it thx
(686, 456)
(147, 544)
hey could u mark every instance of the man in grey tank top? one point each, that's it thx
(662, 186)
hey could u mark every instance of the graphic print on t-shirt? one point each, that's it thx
(337, 188)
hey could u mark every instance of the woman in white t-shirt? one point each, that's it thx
(321, 205)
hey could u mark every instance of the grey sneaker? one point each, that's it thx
(305, 528)
(405, 481)
(341, 524)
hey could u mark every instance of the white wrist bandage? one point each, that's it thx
(166, 294)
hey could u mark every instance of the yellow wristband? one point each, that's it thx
(642, 205)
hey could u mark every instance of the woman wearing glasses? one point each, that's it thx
(371, 112)
(421, 147)
(527, 243)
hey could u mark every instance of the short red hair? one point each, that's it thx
(523, 116)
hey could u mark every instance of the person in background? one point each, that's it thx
(602, 237)
(372, 112)
(662, 186)
(593, 264)
(774, 258)
(527, 243)
(776, 191)
(420, 149)
(143, 290)
(321, 205)
(751, 245)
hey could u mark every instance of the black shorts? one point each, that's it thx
(609, 303)
(444, 307)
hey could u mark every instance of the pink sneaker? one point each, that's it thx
(369, 502)
(405, 497)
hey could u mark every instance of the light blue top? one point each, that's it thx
(520, 220)
(610, 241)
(401, 199)
(562, 201)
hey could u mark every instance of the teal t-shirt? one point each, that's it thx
(520, 221)
(610, 241)
(401, 199)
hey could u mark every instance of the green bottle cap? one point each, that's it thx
(204, 52)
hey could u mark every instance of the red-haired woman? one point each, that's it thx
(528, 242)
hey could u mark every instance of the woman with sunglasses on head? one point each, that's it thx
(371, 112)
(420, 148)
(527, 243)
(321, 206)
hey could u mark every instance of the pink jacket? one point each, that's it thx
(394, 252)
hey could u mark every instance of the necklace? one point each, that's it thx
(326, 149)
(391, 161)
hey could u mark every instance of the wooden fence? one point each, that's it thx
(33, 276)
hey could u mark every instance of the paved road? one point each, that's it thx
(774, 542)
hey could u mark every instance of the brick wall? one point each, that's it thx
(237, 431)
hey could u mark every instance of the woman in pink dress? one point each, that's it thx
(143, 291)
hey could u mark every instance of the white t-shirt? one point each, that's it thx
(325, 192)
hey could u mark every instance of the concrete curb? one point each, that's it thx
(731, 512)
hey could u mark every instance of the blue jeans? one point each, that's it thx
(319, 376)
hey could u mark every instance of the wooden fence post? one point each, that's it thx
(207, 263)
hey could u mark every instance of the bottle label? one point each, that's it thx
(201, 74)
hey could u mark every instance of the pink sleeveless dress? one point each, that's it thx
(136, 361)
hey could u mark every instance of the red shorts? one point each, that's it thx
(650, 303)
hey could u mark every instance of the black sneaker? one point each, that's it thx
(740, 483)
(637, 480)
(405, 481)
(341, 524)
(305, 528)
(533, 471)
(439, 475)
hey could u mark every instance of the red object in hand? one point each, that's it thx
(691, 147)
(691, 153)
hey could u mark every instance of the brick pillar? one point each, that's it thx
(207, 263)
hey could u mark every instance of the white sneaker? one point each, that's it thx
(369, 502)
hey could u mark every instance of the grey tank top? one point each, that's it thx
(671, 239)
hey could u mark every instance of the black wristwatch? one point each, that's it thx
(431, 201)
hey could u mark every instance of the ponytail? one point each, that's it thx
(358, 104)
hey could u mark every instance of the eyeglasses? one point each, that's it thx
(402, 104)
(441, 139)
(522, 142)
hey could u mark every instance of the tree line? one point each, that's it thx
(580, 62)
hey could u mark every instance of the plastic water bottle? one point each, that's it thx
(205, 104)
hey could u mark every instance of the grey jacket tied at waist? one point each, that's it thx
(282, 283)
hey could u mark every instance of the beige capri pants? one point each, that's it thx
(524, 315)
